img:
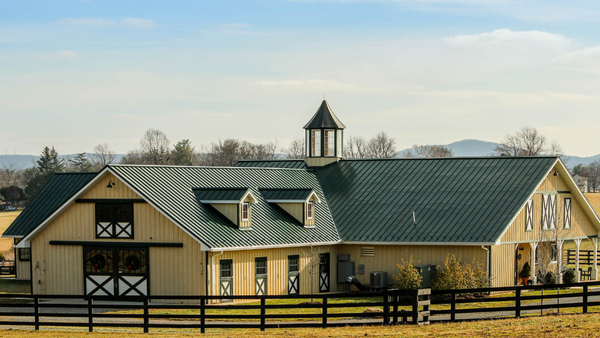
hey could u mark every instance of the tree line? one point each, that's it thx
(156, 149)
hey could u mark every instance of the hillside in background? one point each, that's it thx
(27, 161)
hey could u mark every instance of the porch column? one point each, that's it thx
(533, 275)
(559, 248)
(577, 243)
(595, 268)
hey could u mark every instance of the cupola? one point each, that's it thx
(324, 137)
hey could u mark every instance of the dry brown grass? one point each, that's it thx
(547, 326)
(6, 244)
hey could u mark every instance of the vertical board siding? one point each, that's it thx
(503, 265)
(581, 225)
(296, 210)
(173, 271)
(277, 269)
(22, 267)
(387, 257)
(228, 210)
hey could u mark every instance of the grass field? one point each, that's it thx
(6, 244)
(546, 326)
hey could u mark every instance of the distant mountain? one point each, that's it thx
(467, 148)
(575, 160)
(27, 161)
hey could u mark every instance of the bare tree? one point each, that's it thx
(356, 147)
(296, 149)
(528, 142)
(428, 151)
(133, 157)
(592, 172)
(155, 147)
(101, 156)
(382, 146)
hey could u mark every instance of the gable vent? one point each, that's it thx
(367, 251)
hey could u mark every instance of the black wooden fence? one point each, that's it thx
(586, 257)
(398, 306)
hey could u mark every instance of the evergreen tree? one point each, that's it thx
(80, 163)
(49, 161)
(183, 153)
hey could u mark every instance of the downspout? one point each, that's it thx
(213, 274)
(487, 265)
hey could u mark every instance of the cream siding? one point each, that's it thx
(295, 210)
(503, 265)
(173, 271)
(23, 267)
(320, 161)
(228, 210)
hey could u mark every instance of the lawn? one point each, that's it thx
(9, 285)
(6, 244)
(546, 326)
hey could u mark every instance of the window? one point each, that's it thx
(567, 221)
(261, 265)
(294, 263)
(316, 143)
(309, 210)
(307, 144)
(548, 212)
(24, 254)
(245, 211)
(553, 253)
(330, 142)
(226, 268)
(529, 215)
(114, 220)
(367, 251)
(339, 143)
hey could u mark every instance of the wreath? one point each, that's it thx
(98, 262)
(132, 262)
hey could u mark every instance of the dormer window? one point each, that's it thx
(232, 203)
(298, 203)
(245, 211)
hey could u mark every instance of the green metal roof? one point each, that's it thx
(290, 164)
(455, 200)
(169, 188)
(324, 118)
(60, 188)
(219, 194)
(285, 194)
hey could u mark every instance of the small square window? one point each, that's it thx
(24, 254)
(245, 211)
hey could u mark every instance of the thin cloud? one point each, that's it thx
(138, 23)
(502, 37)
(240, 29)
(64, 54)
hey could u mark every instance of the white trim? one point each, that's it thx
(422, 243)
(11, 236)
(23, 244)
(545, 240)
(247, 204)
(220, 202)
(312, 210)
(311, 195)
(286, 201)
(249, 193)
(280, 246)
(497, 242)
(325, 145)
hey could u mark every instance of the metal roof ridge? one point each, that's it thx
(198, 167)
(446, 158)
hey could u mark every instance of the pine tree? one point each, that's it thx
(80, 163)
(183, 153)
(50, 162)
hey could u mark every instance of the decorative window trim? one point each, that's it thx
(329, 143)
(549, 212)
(367, 251)
(315, 138)
(568, 220)
(529, 215)
(245, 211)
(113, 227)
(310, 210)
(25, 254)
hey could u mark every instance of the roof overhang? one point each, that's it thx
(298, 245)
(422, 243)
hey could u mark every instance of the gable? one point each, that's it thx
(561, 186)
(100, 191)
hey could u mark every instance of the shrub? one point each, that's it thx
(2, 258)
(409, 277)
(569, 276)
(549, 278)
(526, 272)
(456, 275)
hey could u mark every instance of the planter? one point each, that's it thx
(524, 280)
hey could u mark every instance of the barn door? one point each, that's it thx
(324, 272)
(226, 280)
(116, 272)
(261, 275)
(293, 275)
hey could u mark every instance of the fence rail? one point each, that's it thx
(586, 257)
(397, 306)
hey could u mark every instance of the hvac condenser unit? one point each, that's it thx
(379, 279)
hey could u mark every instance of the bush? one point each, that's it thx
(456, 275)
(408, 278)
(2, 257)
(569, 276)
(526, 272)
(549, 278)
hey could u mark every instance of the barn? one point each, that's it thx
(295, 226)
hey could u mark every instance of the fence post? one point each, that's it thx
(146, 315)
(202, 314)
(415, 308)
(90, 316)
(386, 308)
(396, 299)
(585, 299)
(263, 311)
(453, 306)
(324, 311)
(518, 304)
(36, 311)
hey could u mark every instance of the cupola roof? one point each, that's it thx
(324, 118)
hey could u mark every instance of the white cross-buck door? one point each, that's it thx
(117, 272)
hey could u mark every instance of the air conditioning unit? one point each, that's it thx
(379, 279)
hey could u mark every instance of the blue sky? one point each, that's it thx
(75, 74)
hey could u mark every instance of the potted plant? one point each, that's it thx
(525, 273)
